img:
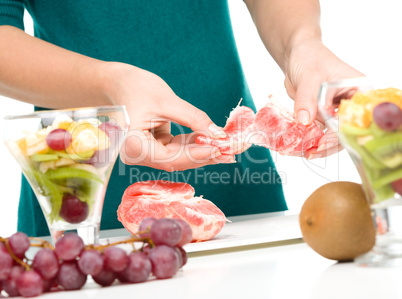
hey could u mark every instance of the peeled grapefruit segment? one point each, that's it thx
(165, 199)
(236, 128)
(277, 129)
(273, 127)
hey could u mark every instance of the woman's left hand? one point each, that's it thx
(308, 65)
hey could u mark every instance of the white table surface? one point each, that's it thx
(271, 267)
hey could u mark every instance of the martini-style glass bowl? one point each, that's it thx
(67, 156)
(369, 126)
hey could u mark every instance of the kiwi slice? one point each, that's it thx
(355, 131)
(388, 178)
(63, 173)
(77, 157)
(377, 131)
(44, 157)
(47, 188)
(387, 149)
(383, 193)
(367, 158)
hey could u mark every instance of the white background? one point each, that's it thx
(364, 33)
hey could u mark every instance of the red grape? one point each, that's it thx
(3, 247)
(70, 277)
(90, 262)
(121, 277)
(10, 283)
(58, 139)
(49, 284)
(180, 257)
(30, 284)
(166, 231)
(145, 225)
(146, 249)
(165, 261)
(104, 277)
(19, 244)
(115, 259)
(46, 263)
(69, 247)
(138, 269)
(70, 263)
(183, 255)
(73, 210)
(109, 128)
(397, 186)
(6, 262)
(388, 116)
(187, 233)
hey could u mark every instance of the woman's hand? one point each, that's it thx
(75, 80)
(152, 105)
(308, 65)
(290, 30)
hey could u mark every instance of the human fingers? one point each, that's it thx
(305, 107)
(295, 154)
(327, 145)
(225, 159)
(162, 133)
(314, 154)
(184, 138)
(185, 114)
(328, 140)
(189, 156)
(141, 148)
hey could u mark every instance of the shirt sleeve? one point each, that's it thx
(12, 13)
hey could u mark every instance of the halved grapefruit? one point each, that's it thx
(165, 199)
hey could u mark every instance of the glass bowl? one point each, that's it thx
(375, 145)
(67, 157)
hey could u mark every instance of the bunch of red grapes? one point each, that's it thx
(68, 264)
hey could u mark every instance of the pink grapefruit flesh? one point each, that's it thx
(273, 127)
(237, 125)
(164, 199)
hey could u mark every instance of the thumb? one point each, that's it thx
(305, 108)
(185, 114)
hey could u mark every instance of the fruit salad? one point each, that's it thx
(371, 124)
(68, 163)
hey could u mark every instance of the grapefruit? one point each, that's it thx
(236, 129)
(165, 199)
(273, 127)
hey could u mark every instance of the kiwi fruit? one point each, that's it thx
(336, 221)
(368, 159)
(387, 149)
(387, 178)
(78, 157)
(377, 131)
(69, 173)
(355, 131)
(383, 193)
(44, 157)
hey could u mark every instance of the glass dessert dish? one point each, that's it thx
(368, 122)
(67, 157)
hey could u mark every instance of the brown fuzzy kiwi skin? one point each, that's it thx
(336, 221)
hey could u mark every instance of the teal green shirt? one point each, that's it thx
(189, 44)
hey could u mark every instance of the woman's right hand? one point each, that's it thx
(152, 105)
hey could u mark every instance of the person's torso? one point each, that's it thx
(189, 44)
